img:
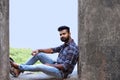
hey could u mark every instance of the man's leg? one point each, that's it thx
(42, 57)
(42, 67)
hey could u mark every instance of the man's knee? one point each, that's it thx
(40, 55)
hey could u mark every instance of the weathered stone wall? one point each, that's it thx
(99, 39)
(4, 39)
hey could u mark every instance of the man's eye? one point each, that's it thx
(63, 33)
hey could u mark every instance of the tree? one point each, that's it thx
(4, 39)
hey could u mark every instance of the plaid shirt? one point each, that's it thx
(68, 56)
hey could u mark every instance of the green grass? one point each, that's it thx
(20, 55)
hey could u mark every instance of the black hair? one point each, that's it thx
(64, 27)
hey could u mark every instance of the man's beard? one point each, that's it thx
(64, 39)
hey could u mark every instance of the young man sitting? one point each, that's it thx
(66, 61)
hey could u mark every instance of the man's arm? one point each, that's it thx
(49, 50)
(45, 50)
(42, 50)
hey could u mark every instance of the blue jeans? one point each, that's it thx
(28, 66)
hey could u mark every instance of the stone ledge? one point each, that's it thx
(39, 76)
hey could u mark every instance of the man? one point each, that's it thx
(66, 61)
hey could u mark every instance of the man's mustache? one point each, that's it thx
(62, 38)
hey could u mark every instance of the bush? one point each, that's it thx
(20, 55)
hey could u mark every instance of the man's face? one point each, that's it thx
(64, 35)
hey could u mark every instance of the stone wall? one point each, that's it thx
(4, 39)
(99, 39)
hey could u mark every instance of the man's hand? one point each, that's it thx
(35, 52)
(49, 64)
(59, 66)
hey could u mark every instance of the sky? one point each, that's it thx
(34, 23)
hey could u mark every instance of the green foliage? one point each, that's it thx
(20, 55)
